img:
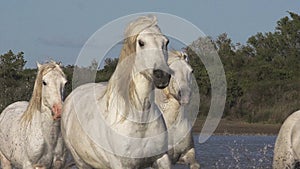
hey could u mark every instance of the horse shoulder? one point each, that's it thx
(295, 137)
(283, 151)
(288, 126)
(84, 144)
(12, 133)
(10, 119)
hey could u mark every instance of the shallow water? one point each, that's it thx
(234, 152)
(243, 152)
(240, 152)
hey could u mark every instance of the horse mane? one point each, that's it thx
(120, 80)
(35, 102)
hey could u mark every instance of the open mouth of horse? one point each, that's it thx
(161, 78)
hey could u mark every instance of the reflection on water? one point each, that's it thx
(235, 152)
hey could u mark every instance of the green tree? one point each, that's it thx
(11, 64)
(14, 82)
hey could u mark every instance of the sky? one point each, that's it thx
(58, 29)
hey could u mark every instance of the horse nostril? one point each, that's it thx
(179, 94)
(161, 78)
(158, 73)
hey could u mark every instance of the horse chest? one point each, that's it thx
(39, 146)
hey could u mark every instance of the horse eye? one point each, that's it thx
(141, 43)
(44, 83)
(167, 42)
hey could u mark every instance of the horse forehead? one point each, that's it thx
(152, 32)
(181, 65)
(55, 73)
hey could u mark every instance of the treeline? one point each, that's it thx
(263, 82)
(16, 82)
(263, 76)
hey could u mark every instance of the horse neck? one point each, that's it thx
(169, 105)
(141, 91)
(137, 88)
(41, 118)
(169, 93)
(41, 126)
(131, 92)
(42, 121)
(49, 127)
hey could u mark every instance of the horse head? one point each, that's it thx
(52, 85)
(150, 50)
(180, 83)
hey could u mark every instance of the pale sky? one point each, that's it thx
(58, 29)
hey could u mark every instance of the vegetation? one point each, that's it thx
(263, 83)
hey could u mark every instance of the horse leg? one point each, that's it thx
(5, 163)
(163, 162)
(60, 154)
(79, 163)
(190, 158)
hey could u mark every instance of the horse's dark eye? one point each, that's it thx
(167, 42)
(141, 43)
(44, 83)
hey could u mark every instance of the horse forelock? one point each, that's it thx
(35, 102)
(128, 49)
(140, 24)
(133, 30)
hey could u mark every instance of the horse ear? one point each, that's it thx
(38, 65)
(186, 57)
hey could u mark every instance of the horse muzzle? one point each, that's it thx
(161, 78)
(184, 97)
(56, 110)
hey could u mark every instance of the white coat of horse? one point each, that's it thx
(29, 131)
(118, 125)
(287, 146)
(171, 102)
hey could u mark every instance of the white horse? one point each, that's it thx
(287, 146)
(118, 125)
(171, 102)
(29, 131)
